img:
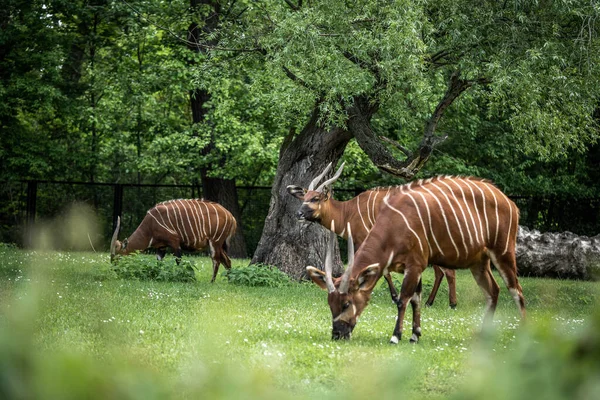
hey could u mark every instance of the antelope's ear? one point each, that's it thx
(368, 277)
(317, 277)
(296, 191)
(327, 193)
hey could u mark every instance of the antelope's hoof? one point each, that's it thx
(394, 340)
(428, 304)
(453, 306)
(414, 338)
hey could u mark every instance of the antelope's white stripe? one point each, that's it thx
(509, 224)
(390, 259)
(420, 218)
(160, 224)
(203, 220)
(180, 219)
(162, 218)
(374, 208)
(360, 213)
(466, 222)
(478, 234)
(208, 217)
(187, 214)
(176, 226)
(496, 207)
(197, 221)
(405, 220)
(462, 235)
(224, 224)
(169, 219)
(429, 218)
(487, 224)
(445, 220)
(195, 227)
(371, 220)
(217, 215)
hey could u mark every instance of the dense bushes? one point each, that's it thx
(147, 267)
(258, 275)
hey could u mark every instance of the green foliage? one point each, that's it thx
(258, 275)
(11, 261)
(542, 364)
(66, 335)
(146, 267)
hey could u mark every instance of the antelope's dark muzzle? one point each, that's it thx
(306, 214)
(341, 330)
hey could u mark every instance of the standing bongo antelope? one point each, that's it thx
(184, 224)
(361, 213)
(450, 221)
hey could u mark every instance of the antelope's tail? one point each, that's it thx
(231, 233)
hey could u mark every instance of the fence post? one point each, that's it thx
(117, 204)
(31, 210)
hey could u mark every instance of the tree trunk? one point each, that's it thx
(222, 191)
(287, 243)
(558, 255)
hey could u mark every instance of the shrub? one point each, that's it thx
(258, 275)
(146, 267)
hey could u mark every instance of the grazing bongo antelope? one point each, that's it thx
(184, 224)
(361, 213)
(456, 222)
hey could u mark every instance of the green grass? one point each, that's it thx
(231, 340)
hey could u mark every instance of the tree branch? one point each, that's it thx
(294, 6)
(359, 125)
(295, 78)
(365, 65)
(396, 145)
(455, 88)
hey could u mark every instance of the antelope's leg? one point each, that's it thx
(215, 254)
(439, 275)
(215, 270)
(451, 278)
(160, 253)
(393, 291)
(410, 284)
(226, 259)
(175, 244)
(484, 278)
(415, 303)
(506, 264)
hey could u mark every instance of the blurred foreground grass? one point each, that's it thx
(69, 330)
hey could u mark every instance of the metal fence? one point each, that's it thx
(22, 204)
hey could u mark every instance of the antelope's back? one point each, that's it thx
(195, 220)
(455, 217)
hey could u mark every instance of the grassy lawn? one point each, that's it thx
(229, 341)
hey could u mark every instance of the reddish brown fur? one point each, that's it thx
(361, 213)
(424, 223)
(185, 224)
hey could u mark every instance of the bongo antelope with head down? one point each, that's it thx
(360, 213)
(455, 222)
(187, 224)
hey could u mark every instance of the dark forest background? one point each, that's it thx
(213, 94)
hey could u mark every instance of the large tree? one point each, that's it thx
(216, 188)
(352, 64)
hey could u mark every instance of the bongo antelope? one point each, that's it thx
(181, 225)
(456, 222)
(361, 213)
